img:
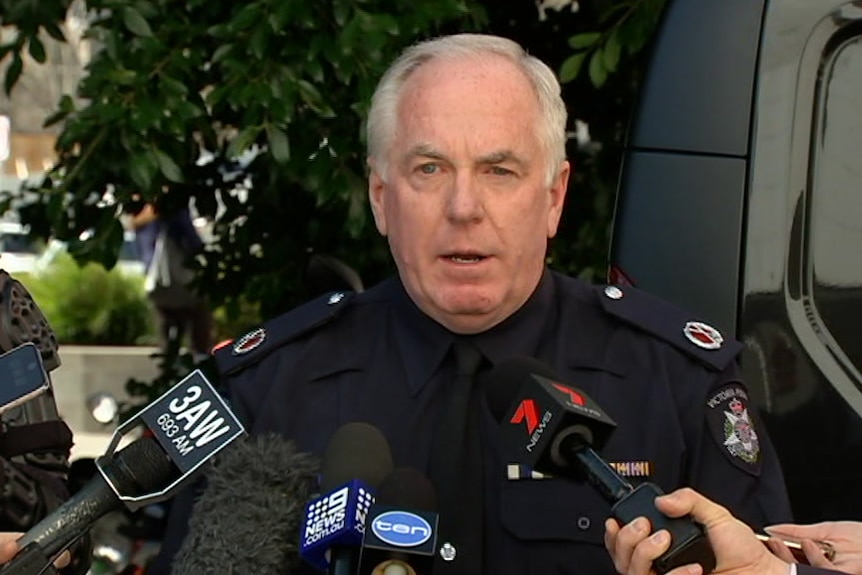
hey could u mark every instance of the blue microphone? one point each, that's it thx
(356, 461)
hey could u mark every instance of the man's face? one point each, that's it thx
(465, 204)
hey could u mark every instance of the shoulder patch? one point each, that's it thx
(734, 427)
(235, 355)
(670, 324)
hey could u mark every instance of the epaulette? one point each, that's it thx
(670, 324)
(235, 355)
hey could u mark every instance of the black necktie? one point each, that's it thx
(456, 469)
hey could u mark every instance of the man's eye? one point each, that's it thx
(500, 171)
(428, 169)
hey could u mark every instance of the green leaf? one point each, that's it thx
(54, 31)
(54, 118)
(278, 143)
(168, 167)
(572, 67)
(242, 141)
(142, 170)
(612, 52)
(598, 73)
(13, 73)
(66, 103)
(221, 52)
(37, 49)
(311, 96)
(585, 40)
(121, 76)
(136, 23)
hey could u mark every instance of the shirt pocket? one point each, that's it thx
(558, 526)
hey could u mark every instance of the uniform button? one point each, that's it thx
(613, 292)
(335, 298)
(583, 523)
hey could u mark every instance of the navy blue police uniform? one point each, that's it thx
(671, 384)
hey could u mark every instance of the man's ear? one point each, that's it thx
(557, 191)
(377, 196)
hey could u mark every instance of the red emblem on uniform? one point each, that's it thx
(249, 341)
(703, 335)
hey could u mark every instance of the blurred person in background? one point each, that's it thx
(167, 240)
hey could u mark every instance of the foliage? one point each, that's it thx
(90, 305)
(29, 18)
(626, 27)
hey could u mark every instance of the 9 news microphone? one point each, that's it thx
(401, 531)
(247, 517)
(563, 428)
(356, 460)
(189, 424)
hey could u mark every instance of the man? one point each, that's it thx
(737, 549)
(468, 176)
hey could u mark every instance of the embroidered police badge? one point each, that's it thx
(249, 341)
(733, 427)
(703, 335)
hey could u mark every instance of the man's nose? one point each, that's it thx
(465, 199)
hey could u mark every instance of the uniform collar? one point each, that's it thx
(424, 343)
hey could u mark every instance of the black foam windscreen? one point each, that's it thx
(356, 451)
(502, 383)
(408, 488)
(248, 517)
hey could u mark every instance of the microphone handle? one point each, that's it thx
(604, 477)
(61, 527)
(343, 560)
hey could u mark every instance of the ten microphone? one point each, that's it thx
(401, 531)
(554, 428)
(356, 461)
(247, 517)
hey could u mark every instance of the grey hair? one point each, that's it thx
(382, 117)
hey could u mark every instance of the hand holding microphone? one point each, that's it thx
(556, 429)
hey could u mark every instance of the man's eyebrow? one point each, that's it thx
(425, 151)
(501, 156)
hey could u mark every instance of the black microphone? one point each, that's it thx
(139, 468)
(189, 424)
(356, 461)
(556, 428)
(401, 531)
(247, 517)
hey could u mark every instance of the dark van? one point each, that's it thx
(740, 199)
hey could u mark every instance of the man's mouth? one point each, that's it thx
(465, 258)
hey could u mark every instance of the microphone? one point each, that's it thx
(189, 424)
(401, 531)
(247, 518)
(356, 461)
(556, 429)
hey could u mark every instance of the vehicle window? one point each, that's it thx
(835, 213)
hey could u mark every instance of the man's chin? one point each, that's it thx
(468, 316)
